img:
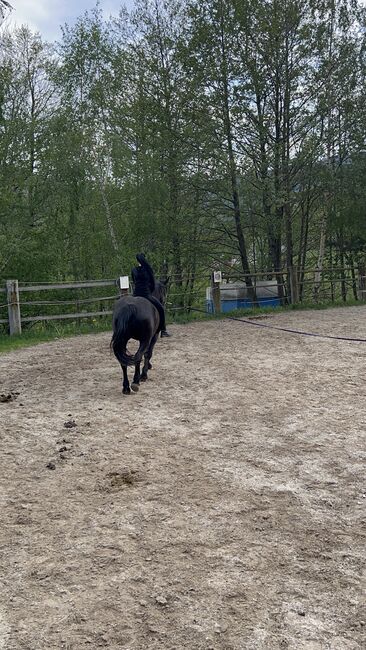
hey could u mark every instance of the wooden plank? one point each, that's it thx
(83, 314)
(259, 274)
(75, 301)
(69, 285)
(236, 273)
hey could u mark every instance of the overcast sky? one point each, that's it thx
(46, 16)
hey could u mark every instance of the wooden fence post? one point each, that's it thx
(362, 281)
(216, 294)
(12, 291)
(294, 285)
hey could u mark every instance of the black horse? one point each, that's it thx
(136, 318)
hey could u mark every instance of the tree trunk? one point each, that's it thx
(277, 241)
(291, 284)
(319, 266)
(232, 165)
(108, 215)
(342, 263)
(303, 244)
(353, 276)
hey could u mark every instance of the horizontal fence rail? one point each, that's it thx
(48, 286)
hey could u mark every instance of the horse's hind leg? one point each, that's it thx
(147, 357)
(136, 378)
(126, 384)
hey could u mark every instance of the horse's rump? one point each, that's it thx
(133, 318)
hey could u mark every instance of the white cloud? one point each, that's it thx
(34, 11)
(46, 16)
(40, 15)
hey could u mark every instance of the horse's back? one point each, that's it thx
(142, 307)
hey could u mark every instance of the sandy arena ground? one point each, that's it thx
(221, 507)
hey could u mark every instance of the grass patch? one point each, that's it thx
(327, 304)
(247, 312)
(40, 333)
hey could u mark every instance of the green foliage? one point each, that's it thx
(179, 128)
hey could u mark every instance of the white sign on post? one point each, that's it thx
(217, 276)
(124, 282)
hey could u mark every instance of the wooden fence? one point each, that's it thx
(293, 287)
(13, 294)
(309, 285)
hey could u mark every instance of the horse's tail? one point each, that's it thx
(120, 338)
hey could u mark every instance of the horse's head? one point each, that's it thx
(161, 290)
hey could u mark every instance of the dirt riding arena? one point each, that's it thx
(220, 507)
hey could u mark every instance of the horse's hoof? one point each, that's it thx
(149, 366)
(143, 379)
(126, 391)
(135, 388)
